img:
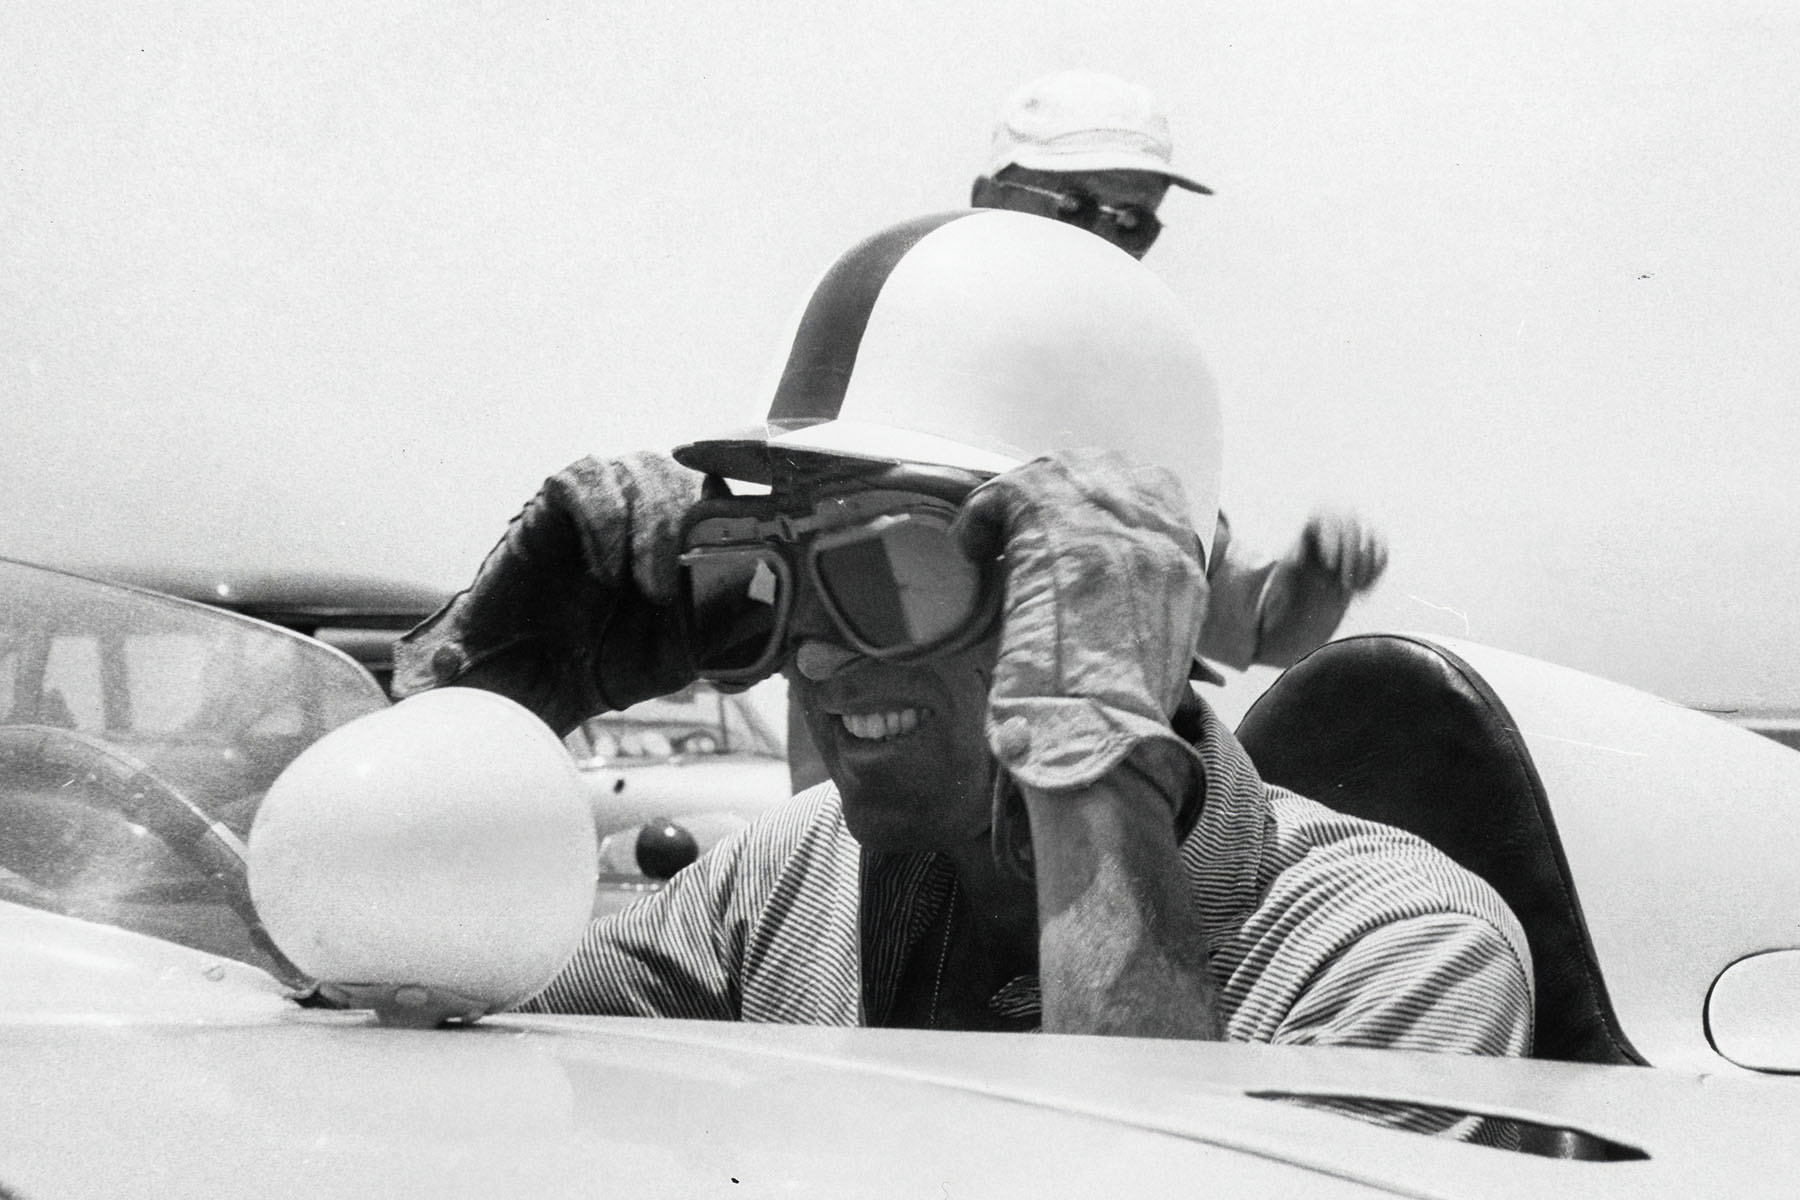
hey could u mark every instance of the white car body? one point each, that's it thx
(1681, 830)
(136, 1066)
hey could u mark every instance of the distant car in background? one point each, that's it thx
(359, 614)
(670, 778)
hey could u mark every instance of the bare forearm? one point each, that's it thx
(1119, 947)
(1336, 558)
(1301, 609)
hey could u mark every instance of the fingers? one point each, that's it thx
(1371, 560)
(980, 527)
(614, 520)
(658, 493)
(1353, 553)
(1320, 543)
(1133, 494)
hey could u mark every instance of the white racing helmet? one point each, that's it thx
(980, 340)
(434, 861)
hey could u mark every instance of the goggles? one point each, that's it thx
(1131, 227)
(882, 564)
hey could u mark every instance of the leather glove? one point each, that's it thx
(1104, 599)
(573, 612)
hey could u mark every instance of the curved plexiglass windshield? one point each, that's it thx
(138, 734)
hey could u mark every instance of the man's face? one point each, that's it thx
(903, 741)
(1107, 203)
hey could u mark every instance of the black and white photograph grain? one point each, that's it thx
(906, 600)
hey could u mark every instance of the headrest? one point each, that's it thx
(1398, 730)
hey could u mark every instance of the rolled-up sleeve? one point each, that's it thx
(1445, 982)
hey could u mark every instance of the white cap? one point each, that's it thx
(1085, 121)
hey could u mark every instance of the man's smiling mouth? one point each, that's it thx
(883, 726)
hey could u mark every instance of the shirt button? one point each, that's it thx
(1012, 741)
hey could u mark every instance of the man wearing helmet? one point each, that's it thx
(985, 585)
(1093, 151)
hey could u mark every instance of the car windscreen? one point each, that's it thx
(138, 733)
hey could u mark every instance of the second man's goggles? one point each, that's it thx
(883, 566)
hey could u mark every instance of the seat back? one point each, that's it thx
(1398, 730)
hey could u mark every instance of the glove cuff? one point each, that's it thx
(1063, 743)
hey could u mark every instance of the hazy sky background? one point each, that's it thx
(337, 285)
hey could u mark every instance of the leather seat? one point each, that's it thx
(1402, 731)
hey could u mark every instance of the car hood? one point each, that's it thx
(136, 1067)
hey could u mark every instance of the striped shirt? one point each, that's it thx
(1320, 929)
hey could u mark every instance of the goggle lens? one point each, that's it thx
(738, 599)
(901, 583)
(1128, 226)
(1133, 228)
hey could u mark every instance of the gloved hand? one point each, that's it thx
(1105, 596)
(573, 612)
